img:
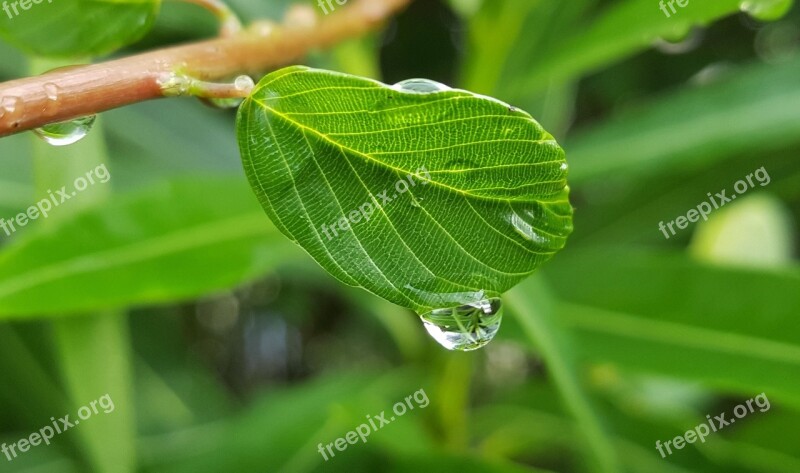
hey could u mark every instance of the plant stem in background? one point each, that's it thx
(87, 90)
(229, 22)
(554, 348)
(93, 350)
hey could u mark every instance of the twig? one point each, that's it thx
(65, 94)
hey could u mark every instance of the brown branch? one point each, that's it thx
(85, 90)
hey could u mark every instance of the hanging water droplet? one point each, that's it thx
(766, 10)
(223, 103)
(420, 86)
(466, 327)
(66, 133)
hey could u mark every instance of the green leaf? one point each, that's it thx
(627, 27)
(714, 122)
(669, 315)
(532, 304)
(428, 199)
(438, 462)
(72, 28)
(94, 356)
(173, 241)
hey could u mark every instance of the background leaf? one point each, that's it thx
(76, 28)
(209, 232)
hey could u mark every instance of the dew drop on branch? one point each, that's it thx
(66, 133)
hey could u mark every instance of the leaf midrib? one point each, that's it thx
(367, 157)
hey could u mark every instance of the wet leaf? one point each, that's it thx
(427, 196)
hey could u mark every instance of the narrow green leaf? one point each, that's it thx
(626, 27)
(533, 306)
(70, 28)
(669, 315)
(714, 122)
(94, 357)
(428, 197)
(438, 462)
(173, 241)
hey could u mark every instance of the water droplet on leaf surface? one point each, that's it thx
(466, 327)
(420, 86)
(66, 133)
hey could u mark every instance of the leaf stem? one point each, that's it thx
(79, 91)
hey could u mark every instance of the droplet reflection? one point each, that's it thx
(66, 133)
(466, 327)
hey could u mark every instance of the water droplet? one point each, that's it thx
(466, 327)
(300, 17)
(525, 228)
(51, 90)
(64, 68)
(174, 85)
(420, 86)
(10, 104)
(263, 27)
(244, 83)
(766, 10)
(222, 103)
(778, 42)
(711, 74)
(11, 109)
(66, 133)
(681, 43)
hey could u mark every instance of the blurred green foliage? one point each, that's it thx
(227, 349)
